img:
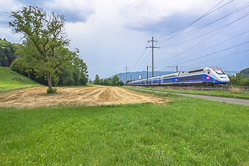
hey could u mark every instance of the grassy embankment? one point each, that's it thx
(235, 92)
(184, 131)
(7, 84)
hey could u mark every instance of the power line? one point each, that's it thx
(139, 57)
(189, 33)
(227, 25)
(197, 29)
(144, 60)
(213, 46)
(148, 61)
(206, 14)
(216, 52)
(221, 57)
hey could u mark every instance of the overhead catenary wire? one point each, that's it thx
(139, 57)
(215, 45)
(143, 60)
(148, 61)
(227, 25)
(190, 34)
(227, 55)
(203, 27)
(199, 28)
(187, 26)
(215, 52)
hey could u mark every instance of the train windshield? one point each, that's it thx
(218, 71)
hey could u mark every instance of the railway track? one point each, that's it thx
(198, 88)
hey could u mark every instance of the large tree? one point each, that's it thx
(45, 45)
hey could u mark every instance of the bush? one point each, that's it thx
(51, 90)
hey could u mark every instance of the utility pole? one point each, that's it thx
(126, 68)
(131, 77)
(152, 41)
(176, 68)
(147, 74)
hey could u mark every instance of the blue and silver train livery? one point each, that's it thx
(205, 76)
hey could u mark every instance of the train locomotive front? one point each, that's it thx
(216, 76)
(205, 76)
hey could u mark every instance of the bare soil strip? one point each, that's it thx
(90, 95)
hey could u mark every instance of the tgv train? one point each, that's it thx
(205, 76)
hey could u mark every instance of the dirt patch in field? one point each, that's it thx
(90, 95)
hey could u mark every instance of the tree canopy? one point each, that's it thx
(108, 81)
(44, 49)
(7, 53)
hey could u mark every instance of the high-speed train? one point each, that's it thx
(205, 76)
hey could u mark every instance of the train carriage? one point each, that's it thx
(155, 81)
(205, 76)
(169, 79)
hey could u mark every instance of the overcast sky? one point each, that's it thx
(113, 34)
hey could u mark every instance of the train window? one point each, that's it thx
(194, 71)
(218, 71)
(198, 77)
(169, 76)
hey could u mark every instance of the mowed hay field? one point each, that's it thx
(68, 96)
(87, 126)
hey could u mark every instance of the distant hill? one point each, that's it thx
(135, 75)
(12, 80)
(231, 73)
(245, 73)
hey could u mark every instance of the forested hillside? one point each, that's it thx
(72, 73)
(7, 53)
(245, 72)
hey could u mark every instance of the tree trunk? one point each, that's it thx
(49, 78)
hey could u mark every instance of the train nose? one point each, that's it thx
(225, 79)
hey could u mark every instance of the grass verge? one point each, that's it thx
(232, 94)
(187, 131)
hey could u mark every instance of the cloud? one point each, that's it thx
(7, 33)
(138, 14)
(74, 10)
(112, 34)
(31, 2)
(7, 7)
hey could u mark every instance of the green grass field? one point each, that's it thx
(184, 131)
(7, 84)
(235, 93)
